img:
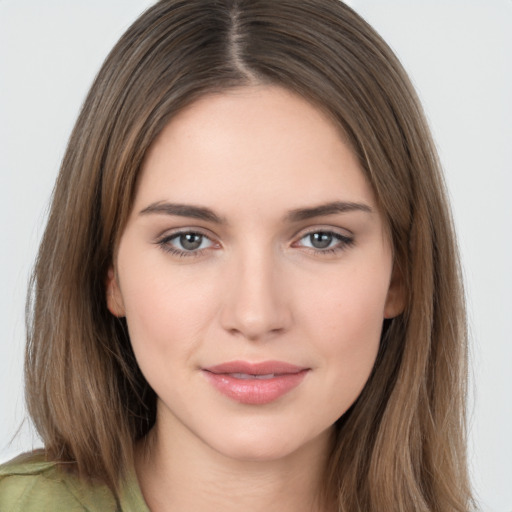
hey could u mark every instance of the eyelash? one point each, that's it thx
(165, 244)
(344, 242)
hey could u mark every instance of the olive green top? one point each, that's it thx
(30, 484)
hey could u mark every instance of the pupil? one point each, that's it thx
(321, 240)
(191, 241)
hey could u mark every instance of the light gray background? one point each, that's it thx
(458, 53)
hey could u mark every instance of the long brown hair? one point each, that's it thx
(401, 446)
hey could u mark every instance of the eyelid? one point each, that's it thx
(163, 241)
(345, 239)
(322, 228)
(166, 233)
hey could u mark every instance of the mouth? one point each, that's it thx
(255, 383)
(247, 376)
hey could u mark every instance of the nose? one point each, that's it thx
(256, 304)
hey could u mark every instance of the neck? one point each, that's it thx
(179, 474)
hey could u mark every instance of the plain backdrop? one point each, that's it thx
(458, 53)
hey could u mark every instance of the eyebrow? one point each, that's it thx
(301, 214)
(297, 215)
(183, 210)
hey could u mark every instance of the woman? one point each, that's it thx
(247, 294)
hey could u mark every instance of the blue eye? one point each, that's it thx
(187, 243)
(325, 241)
(190, 241)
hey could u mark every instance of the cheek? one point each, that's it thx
(347, 301)
(346, 324)
(166, 311)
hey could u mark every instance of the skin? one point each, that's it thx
(257, 289)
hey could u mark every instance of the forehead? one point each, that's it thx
(259, 146)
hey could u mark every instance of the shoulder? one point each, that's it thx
(31, 484)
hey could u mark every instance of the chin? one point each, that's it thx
(253, 445)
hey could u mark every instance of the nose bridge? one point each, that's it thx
(255, 305)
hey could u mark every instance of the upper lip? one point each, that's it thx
(262, 368)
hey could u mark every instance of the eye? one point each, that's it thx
(191, 241)
(187, 243)
(325, 241)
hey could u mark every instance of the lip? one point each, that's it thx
(255, 383)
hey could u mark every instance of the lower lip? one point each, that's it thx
(255, 391)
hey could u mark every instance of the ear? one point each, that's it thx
(115, 302)
(395, 300)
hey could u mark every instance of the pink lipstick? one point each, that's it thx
(255, 383)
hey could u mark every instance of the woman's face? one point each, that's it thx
(254, 273)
